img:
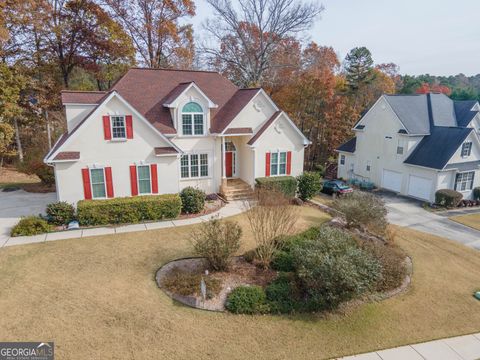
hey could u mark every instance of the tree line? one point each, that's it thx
(49, 45)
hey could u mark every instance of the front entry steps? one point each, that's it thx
(236, 189)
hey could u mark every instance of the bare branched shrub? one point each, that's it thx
(271, 218)
(217, 241)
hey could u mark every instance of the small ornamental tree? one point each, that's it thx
(271, 218)
(217, 241)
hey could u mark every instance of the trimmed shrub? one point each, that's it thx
(333, 269)
(217, 241)
(247, 300)
(476, 193)
(392, 261)
(249, 256)
(31, 225)
(193, 200)
(60, 213)
(284, 184)
(448, 197)
(309, 184)
(283, 295)
(363, 210)
(128, 210)
(282, 261)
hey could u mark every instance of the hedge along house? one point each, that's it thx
(415, 145)
(158, 131)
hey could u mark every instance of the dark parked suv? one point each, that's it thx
(336, 187)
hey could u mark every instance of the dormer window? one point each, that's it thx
(466, 149)
(192, 119)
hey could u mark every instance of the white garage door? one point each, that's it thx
(419, 187)
(392, 180)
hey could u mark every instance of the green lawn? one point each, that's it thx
(472, 220)
(97, 299)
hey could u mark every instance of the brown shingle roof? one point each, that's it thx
(264, 127)
(231, 108)
(241, 130)
(165, 150)
(67, 155)
(82, 97)
(148, 89)
(176, 92)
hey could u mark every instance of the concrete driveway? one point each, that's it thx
(15, 204)
(409, 213)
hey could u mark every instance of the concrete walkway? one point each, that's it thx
(230, 209)
(457, 348)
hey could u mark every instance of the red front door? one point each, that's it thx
(229, 163)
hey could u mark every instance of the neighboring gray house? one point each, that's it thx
(415, 145)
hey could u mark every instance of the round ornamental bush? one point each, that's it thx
(193, 200)
(309, 184)
(60, 213)
(448, 198)
(282, 261)
(31, 225)
(247, 300)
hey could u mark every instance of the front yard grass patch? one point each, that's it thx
(100, 292)
(324, 199)
(471, 220)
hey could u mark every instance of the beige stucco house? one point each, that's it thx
(415, 145)
(158, 131)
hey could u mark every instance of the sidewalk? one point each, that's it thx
(457, 348)
(230, 209)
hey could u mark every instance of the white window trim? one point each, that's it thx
(204, 119)
(124, 124)
(138, 178)
(464, 172)
(344, 158)
(278, 152)
(199, 153)
(104, 182)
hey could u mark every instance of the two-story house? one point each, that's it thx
(415, 145)
(158, 131)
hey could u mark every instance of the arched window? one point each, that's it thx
(192, 119)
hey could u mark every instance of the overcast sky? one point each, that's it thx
(439, 37)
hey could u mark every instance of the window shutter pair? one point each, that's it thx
(153, 179)
(107, 131)
(267, 163)
(87, 188)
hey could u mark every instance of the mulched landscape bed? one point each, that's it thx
(240, 273)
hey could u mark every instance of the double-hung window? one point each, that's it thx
(144, 179)
(466, 149)
(192, 119)
(118, 127)
(464, 181)
(194, 166)
(97, 177)
(278, 163)
(342, 159)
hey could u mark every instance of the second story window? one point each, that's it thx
(342, 159)
(118, 127)
(466, 149)
(192, 119)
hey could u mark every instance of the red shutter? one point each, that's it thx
(289, 162)
(267, 164)
(129, 124)
(107, 132)
(87, 190)
(154, 178)
(133, 180)
(108, 180)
